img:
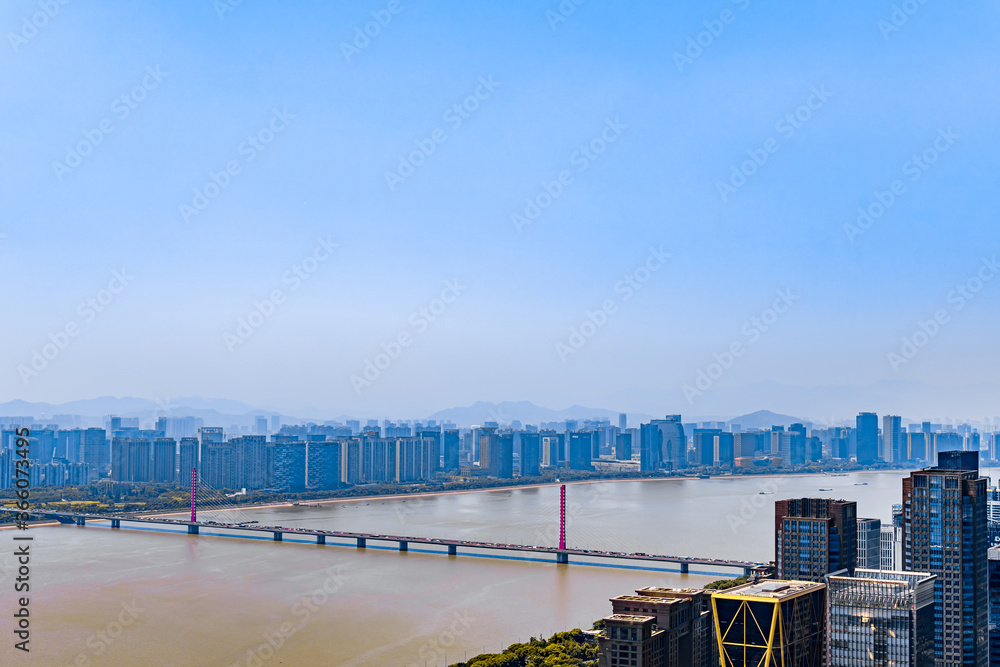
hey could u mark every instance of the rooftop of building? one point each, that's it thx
(649, 599)
(663, 592)
(773, 589)
(629, 618)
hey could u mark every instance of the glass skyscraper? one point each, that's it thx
(881, 618)
(945, 533)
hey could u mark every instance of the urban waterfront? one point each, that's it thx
(226, 596)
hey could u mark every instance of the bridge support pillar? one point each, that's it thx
(277, 537)
(192, 529)
(747, 572)
(81, 521)
(362, 543)
(452, 549)
(403, 546)
(321, 539)
(116, 523)
(562, 558)
(684, 568)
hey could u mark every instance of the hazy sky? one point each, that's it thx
(619, 122)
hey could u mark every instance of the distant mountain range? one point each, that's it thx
(226, 413)
(830, 405)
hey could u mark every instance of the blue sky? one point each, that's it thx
(348, 121)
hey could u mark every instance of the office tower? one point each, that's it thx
(632, 640)
(945, 533)
(451, 443)
(684, 614)
(888, 546)
(481, 442)
(916, 446)
(323, 465)
(113, 423)
(187, 458)
(432, 448)
(42, 444)
(276, 423)
(813, 537)
(505, 462)
(993, 566)
(552, 449)
(870, 544)
(260, 425)
(130, 460)
(893, 449)
(623, 447)
(69, 445)
(288, 472)
(867, 430)
(662, 444)
(771, 623)
(531, 454)
(165, 460)
(623, 421)
(722, 449)
(580, 449)
(881, 618)
(704, 446)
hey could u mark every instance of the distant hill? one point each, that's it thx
(766, 419)
(527, 413)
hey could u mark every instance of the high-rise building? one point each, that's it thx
(881, 618)
(630, 639)
(260, 425)
(916, 446)
(580, 449)
(945, 533)
(187, 460)
(888, 546)
(662, 444)
(685, 614)
(867, 430)
(165, 460)
(250, 462)
(95, 451)
(288, 472)
(993, 566)
(130, 460)
(704, 445)
(432, 448)
(451, 447)
(218, 464)
(323, 464)
(893, 447)
(505, 462)
(814, 537)
(531, 454)
(623, 447)
(552, 449)
(870, 544)
(771, 623)
(622, 421)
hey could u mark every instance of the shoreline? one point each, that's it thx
(426, 494)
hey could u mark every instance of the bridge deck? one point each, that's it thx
(72, 517)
